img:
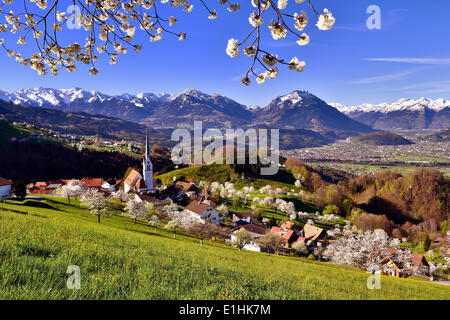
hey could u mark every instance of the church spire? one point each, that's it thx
(147, 146)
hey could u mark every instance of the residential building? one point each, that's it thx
(5, 188)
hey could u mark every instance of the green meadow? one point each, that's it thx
(122, 260)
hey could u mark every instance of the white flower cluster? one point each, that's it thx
(284, 206)
(110, 25)
(278, 29)
(328, 218)
(367, 249)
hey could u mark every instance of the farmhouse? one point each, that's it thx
(95, 183)
(256, 230)
(5, 188)
(243, 217)
(312, 234)
(205, 210)
(289, 236)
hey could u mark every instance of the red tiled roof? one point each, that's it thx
(92, 182)
(37, 190)
(40, 184)
(286, 235)
(417, 259)
(5, 182)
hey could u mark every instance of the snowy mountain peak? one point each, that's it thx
(297, 96)
(400, 105)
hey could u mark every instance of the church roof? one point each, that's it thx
(140, 184)
(132, 177)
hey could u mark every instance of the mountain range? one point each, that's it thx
(296, 110)
(404, 114)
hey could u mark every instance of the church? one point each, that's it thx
(138, 182)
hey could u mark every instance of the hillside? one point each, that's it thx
(122, 260)
(381, 138)
(441, 136)
(34, 159)
(82, 123)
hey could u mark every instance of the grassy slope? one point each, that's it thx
(120, 260)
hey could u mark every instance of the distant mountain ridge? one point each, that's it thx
(297, 110)
(406, 114)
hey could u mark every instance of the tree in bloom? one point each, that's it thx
(136, 209)
(95, 202)
(174, 225)
(154, 221)
(367, 250)
(110, 27)
(73, 189)
(121, 196)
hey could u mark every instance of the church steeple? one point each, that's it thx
(147, 146)
(147, 165)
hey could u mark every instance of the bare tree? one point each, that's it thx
(111, 26)
(241, 239)
(271, 241)
(200, 231)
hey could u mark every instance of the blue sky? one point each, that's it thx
(409, 57)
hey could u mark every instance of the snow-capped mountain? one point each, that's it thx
(400, 105)
(302, 109)
(422, 113)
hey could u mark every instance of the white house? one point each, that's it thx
(256, 230)
(5, 188)
(205, 210)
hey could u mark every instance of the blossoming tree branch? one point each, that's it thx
(111, 26)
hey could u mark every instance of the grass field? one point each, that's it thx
(122, 260)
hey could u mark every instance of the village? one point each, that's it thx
(218, 212)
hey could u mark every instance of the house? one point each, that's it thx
(287, 225)
(5, 188)
(417, 265)
(187, 187)
(243, 217)
(205, 210)
(95, 183)
(153, 200)
(312, 234)
(40, 190)
(390, 268)
(420, 264)
(40, 184)
(289, 236)
(111, 185)
(256, 230)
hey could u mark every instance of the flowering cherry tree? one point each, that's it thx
(366, 250)
(111, 25)
(136, 209)
(95, 202)
(73, 189)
